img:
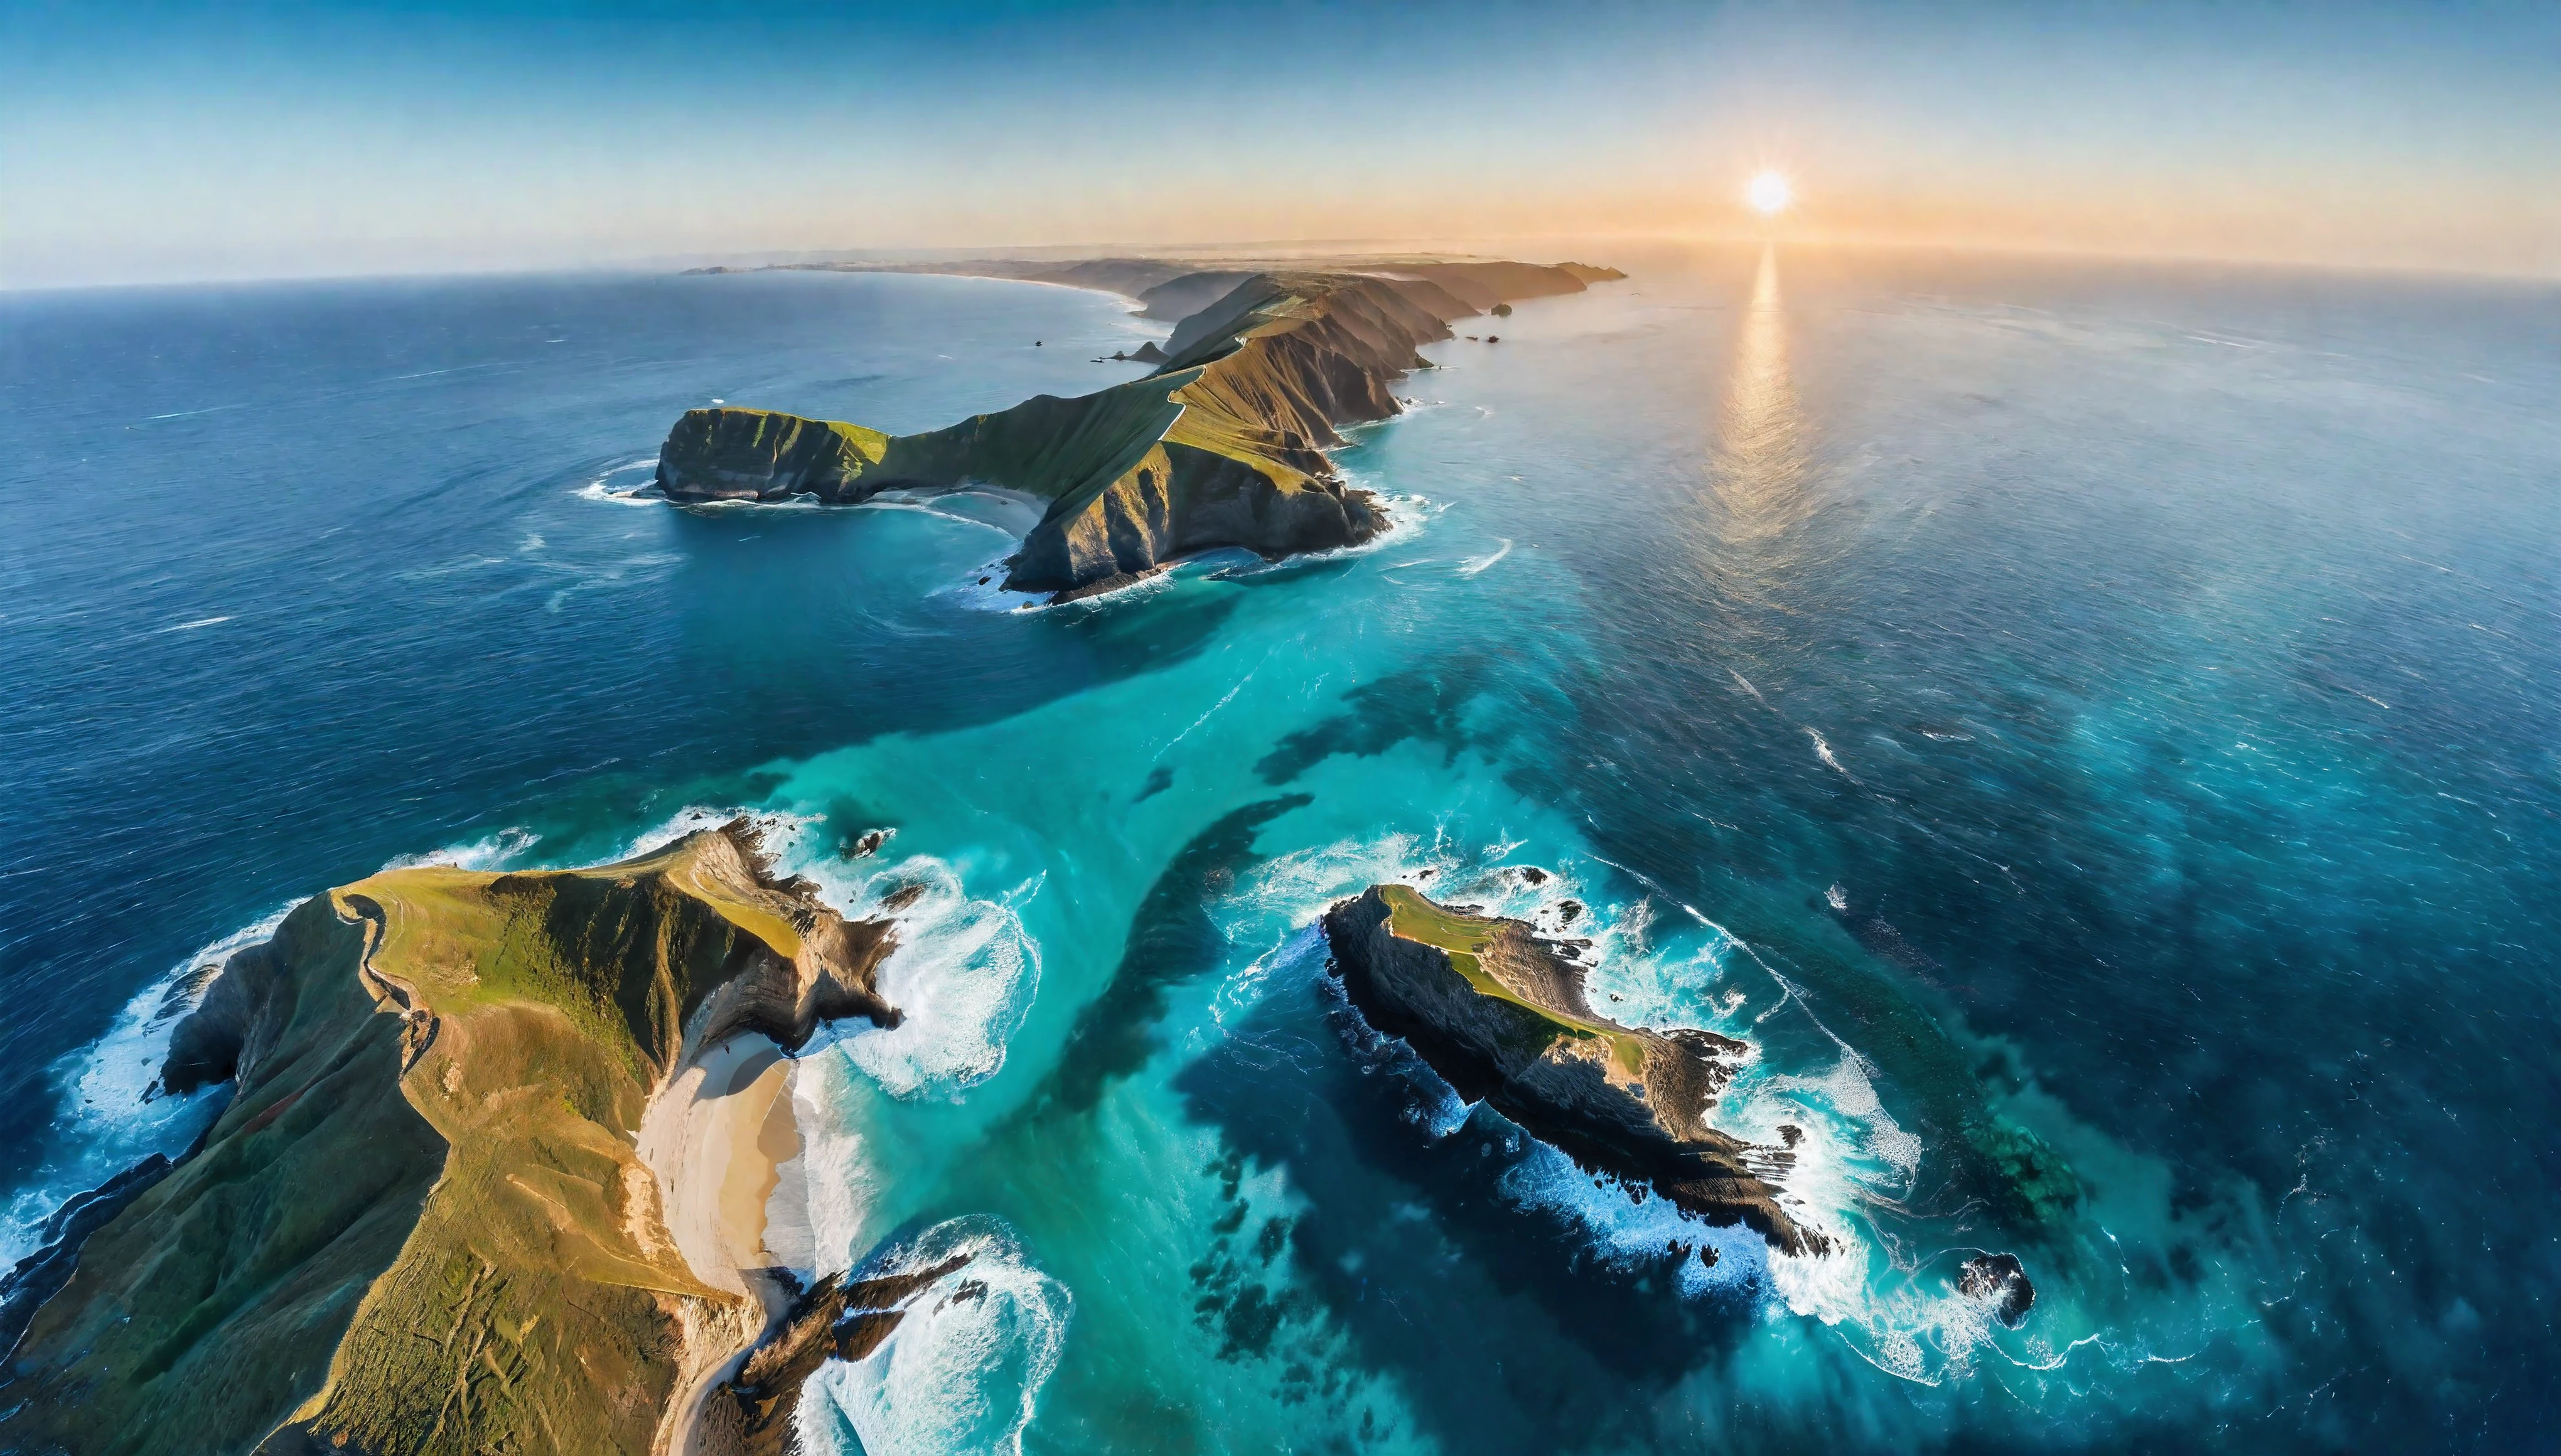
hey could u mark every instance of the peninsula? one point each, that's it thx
(493, 1179)
(1222, 446)
(1500, 1016)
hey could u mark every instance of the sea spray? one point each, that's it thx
(962, 974)
(963, 1369)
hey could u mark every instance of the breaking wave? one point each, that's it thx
(963, 1370)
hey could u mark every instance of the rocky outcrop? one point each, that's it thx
(752, 1413)
(1223, 446)
(2000, 1281)
(423, 1224)
(1502, 1018)
(759, 455)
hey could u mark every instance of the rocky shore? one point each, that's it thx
(493, 1177)
(1223, 445)
(1501, 1016)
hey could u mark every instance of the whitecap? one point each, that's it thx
(494, 851)
(1478, 564)
(825, 1194)
(780, 832)
(963, 1370)
(1823, 751)
(962, 974)
(603, 488)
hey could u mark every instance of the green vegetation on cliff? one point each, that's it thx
(1501, 1016)
(1223, 446)
(423, 1225)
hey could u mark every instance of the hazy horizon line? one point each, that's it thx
(784, 259)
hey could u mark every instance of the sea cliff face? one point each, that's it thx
(1224, 445)
(428, 1221)
(1501, 1016)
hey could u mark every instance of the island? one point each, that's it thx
(1222, 446)
(1499, 1015)
(493, 1178)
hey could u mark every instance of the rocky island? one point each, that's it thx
(1222, 446)
(493, 1179)
(1500, 1016)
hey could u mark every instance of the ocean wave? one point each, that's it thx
(113, 1113)
(964, 972)
(963, 1370)
(825, 1195)
(1476, 565)
(782, 833)
(494, 851)
(601, 488)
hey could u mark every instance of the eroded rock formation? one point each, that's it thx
(1502, 1018)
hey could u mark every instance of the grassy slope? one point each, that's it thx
(484, 1267)
(1466, 939)
(208, 1309)
(1221, 446)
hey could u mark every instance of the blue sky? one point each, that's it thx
(196, 141)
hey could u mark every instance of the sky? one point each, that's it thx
(172, 142)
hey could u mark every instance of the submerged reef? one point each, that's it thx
(1222, 446)
(1501, 1016)
(455, 1202)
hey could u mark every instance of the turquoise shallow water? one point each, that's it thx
(2091, 729)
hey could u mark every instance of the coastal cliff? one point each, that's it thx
(489, 1180)
(1501, 1017)
(1223, 445)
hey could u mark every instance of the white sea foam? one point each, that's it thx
(604, 488)
(1478, 564)
(113, 1113)
(1823, 751)
(964, 974)
(1626, 1232)
(963, 1370)
(825, 1195)
(781, 832)
(498, 851)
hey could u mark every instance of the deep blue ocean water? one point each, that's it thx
(2095, 729)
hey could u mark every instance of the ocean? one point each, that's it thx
(2095, 729)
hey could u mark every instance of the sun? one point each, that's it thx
(1770, 194)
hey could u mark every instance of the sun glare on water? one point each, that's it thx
(1770, 193)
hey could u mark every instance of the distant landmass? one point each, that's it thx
(1223, 445)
